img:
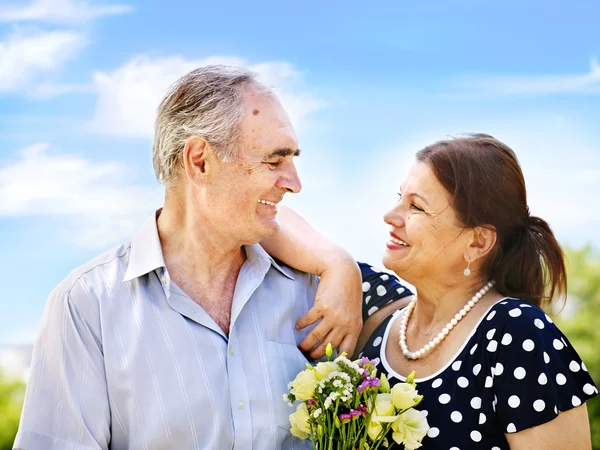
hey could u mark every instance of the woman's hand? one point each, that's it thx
(338, 304)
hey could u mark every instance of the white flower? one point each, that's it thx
(323, 369)
(317, 412)
(303, 386)
(410, 429)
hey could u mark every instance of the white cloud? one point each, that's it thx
(27, 54)
(128, 96)
(531, 85)
(60, 11)
(98, 201)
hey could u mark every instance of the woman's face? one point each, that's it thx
(427, 241)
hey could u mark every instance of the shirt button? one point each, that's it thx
(163, 279)
(231, 351)
(241, 404)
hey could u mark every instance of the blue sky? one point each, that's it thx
(366, 86)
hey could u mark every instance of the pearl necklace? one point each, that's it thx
(442, 334)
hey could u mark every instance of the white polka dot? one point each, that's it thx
(520, 373)
(376, 361)
(503, 303)
(514, 401)
(456, 365)
(437, 383)
(476, 403)
(499, 369)
(539, 405)
(558, 345)
(456, 417)
(454, 448)
(482, 418)
(462, 382)
(444, 399)
(489, 382)
(360, 355)
(372, 310)
(524, 305)
(384, 277)
(367, 299)
(588, 389)
(491, 315)
(542, 379)
(546, 358)
(492, 346)
(476, 369)
(561, 379)
(583, 366)
(490, 334)
(381, 290)
(528, 345)
(555, 410)
(400, 290)
(473, 349)
(511, 428)
(494, 403)
(548, 318)
(476, 435)
(514, 312)
(538, 323)
(366, 286)
(506, 339)
(433, 432)
(575, 401)
(495, 448)
(425, 412)
(574, 366)
(377, 341)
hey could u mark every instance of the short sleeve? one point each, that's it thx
(66, 402)
(379, 289)
(537, 373)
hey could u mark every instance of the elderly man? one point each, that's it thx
(185, 337)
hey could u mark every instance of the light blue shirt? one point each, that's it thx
(126, 360)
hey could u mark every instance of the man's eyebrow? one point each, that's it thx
(284, 152)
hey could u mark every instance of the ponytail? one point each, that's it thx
(529, 263)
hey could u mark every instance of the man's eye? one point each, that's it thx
(273, 165)
(399, 196)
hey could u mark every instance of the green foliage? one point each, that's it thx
(11, 399)
(583, 268)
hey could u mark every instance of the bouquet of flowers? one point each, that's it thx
(343, 405)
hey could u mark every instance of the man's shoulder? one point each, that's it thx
(107, 263)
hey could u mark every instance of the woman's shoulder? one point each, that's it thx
(520, 317)
(379, 289)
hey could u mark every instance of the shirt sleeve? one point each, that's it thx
(66, 401)
(538, 374)
(379, 289)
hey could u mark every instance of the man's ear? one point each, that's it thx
(484, 239)
(195, 160)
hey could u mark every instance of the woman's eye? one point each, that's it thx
(416, 207)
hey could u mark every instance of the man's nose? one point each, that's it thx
(290, 181)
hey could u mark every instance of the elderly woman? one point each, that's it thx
(495, 370)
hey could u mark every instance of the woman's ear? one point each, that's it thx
(484, 240)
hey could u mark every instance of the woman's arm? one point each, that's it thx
(338, 302)
(570, 430)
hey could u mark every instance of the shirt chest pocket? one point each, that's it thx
(285, 361)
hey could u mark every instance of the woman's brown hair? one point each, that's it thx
(486, 183)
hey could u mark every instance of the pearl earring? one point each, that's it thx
(467, 271)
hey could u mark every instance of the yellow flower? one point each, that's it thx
(374, 429)
(325, 368)
(384, 384)
(384, 405)
(410, 429)
(303, 386)
(404, 396)
(299, 421)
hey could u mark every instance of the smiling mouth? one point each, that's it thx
(266, 202)
(399, 242)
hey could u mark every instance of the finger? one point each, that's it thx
(309, 318)
(319, 351)
(348, 344)
(316, 335)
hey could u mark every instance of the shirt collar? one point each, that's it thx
(146, 253)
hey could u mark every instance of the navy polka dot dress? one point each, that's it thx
(516, 371)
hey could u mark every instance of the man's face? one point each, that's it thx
(243, 194)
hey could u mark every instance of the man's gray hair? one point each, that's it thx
(207, 102)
